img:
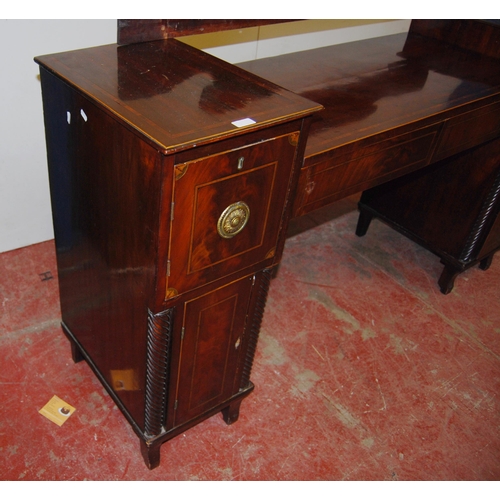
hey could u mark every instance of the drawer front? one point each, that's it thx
(228, 210)
(468, 130)
(343, 174)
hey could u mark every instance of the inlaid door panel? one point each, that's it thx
(227, 212)
(212, 336)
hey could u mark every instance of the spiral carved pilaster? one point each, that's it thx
(489, 206)
(256, 321)
(158, 349)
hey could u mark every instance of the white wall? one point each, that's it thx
(267, 41)
(25, 215)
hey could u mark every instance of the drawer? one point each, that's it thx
(468, 130)
(348, 170)
(227, 212)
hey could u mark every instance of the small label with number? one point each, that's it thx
(243, 122)
(57, 410)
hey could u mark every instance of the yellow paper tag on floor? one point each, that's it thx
(57, 410)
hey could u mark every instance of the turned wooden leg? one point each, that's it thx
(76, 354)
(447, 279)
(150, 454)
(363, 222)
(486, 263)
(231, 413)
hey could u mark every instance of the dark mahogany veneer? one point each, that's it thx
(174, 174)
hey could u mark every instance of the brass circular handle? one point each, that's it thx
(233, 219)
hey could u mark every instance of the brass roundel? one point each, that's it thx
(233, 219)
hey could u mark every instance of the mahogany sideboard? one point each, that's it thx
(173, 176)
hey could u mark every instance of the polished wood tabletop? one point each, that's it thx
(371, 86)
(175, 96)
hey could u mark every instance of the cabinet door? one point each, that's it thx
(213, 326)
(228, 210)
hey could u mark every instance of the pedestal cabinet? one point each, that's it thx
(451, 208)
(171, 175)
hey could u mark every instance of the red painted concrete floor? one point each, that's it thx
(364, 371)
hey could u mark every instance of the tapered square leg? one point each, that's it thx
(447, 279)
(364, 220)
(76, 354)
(151, 454)
(486, 263)
(231, 413)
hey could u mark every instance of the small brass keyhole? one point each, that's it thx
(240, 163)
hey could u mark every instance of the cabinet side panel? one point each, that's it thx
(105, 190)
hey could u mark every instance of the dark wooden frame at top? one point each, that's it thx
(145, 30)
